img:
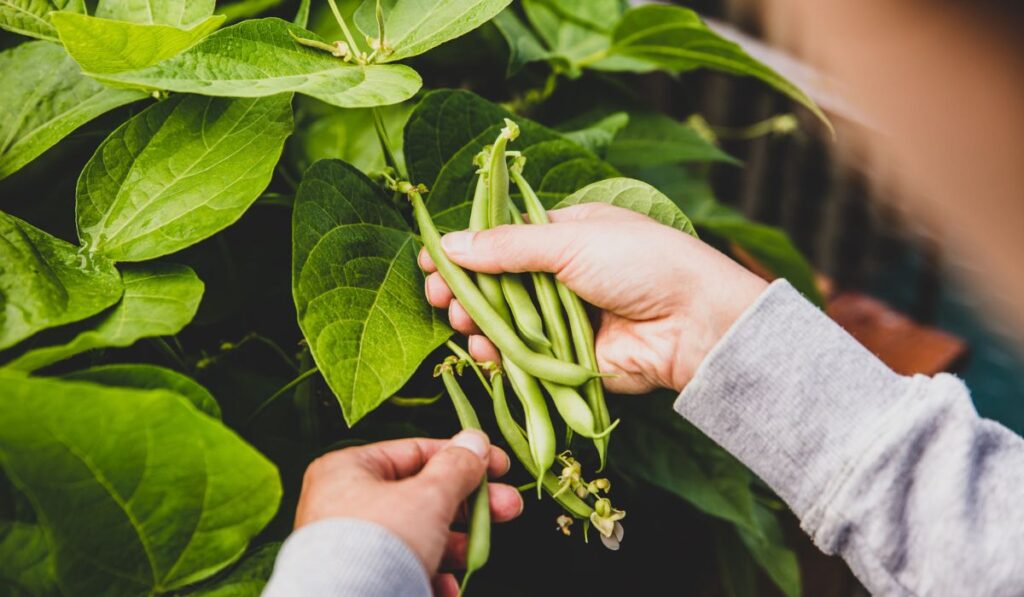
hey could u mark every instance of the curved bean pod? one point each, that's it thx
(575, 411)
(490, 321)
(539, 430)
(489, 284)
(524, 313)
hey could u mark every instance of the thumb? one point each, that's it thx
(456, 470)
(519, 248)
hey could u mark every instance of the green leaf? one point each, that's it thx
(46, 282)
(598, 136)
(661, 448)
(768, 546)
(159, 300)
(576, 30)
(349, 134)
(32, 17)
(26, 567)
(449, 127)
(178, 172)
(106, 46)
(150, 377)
(177, 13)
(45, 97)
(634, 195)
(358, 291)
(248, 578)
(676, 39)
(138, 492)
(523, 45)
(412, 27)
(259, 57)
(652, 139)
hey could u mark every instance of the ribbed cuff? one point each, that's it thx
(792, 395)
(346, 556)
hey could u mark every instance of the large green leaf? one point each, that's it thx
(634, 195)
(349, 134)
(32, 17)
(597, 136)
(651, 139)
(179, 172)
(44, 97)
(523, 45)
(46, 282)
(177, 13)
(259, 57)
(138, 492)
(661, 448)
(107, 46)
(676, 39)
(159, 300)
(150, 377)
(412, 27)
(575, 30)
(449, 128)
(358, 291)
(248, 578)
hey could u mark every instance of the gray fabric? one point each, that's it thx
(897, 475)
(346, 557)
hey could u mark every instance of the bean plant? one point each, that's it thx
(211, 216)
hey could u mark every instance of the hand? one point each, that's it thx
(414, 488)
(665, 297)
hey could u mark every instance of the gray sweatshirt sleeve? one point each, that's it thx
(346, 557)
(898, 475)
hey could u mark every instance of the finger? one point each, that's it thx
(426, 263)
(523, 248)
(482, 350)
(437, 291)
(401, 458)
(591, 211)
(460, 320)
(455, 470)
(445, 585)
(506, 502)
(454, 557)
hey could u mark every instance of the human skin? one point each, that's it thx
(665, 298)
(415, 488)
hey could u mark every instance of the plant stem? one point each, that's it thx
(284, 389)
(344, 28)
(385, 143)
(465, 356)
(172, 354)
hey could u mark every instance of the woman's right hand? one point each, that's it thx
(665, 297)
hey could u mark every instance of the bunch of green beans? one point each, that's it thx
(540, 328)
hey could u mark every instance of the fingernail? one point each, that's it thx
(457, 243)
(474, 441)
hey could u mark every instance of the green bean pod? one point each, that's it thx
(486, 317)
(539, 430)
(516, 439)
(478, 542)
(575, 411)
(497, 177)
(524, 313)
(551, 312)
(579, 324)
(489, 284)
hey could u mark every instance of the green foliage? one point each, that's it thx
(47, 97)
(107, 46)
(137, 492)
(178, 172)
(260, 57)
(415, 26)
(32, 17)
(46, 282)
(634, 195)
(117, 474)
(159, 300)
(358, 291)
(150, 377)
